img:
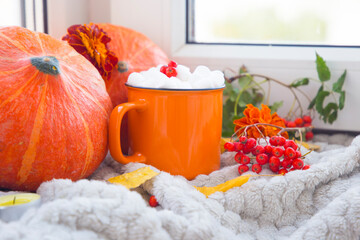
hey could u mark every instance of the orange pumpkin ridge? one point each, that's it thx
(30, 154)
(54, 111)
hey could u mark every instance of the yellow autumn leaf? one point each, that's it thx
(135, 178)
(223, 187)
(308, 146)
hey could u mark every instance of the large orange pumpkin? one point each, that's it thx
(54, 111)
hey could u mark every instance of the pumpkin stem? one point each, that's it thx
(122, 66)
(46, 64)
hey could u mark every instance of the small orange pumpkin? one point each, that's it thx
(54, 111)
(135, 53)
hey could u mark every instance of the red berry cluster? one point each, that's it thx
(304, 121)
(170, 69)
(280, 154)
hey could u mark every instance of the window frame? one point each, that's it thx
(34, 15)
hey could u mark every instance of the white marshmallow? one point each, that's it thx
(201, 78)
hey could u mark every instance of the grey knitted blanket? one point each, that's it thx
(322, 202)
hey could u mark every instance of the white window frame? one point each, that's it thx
(34, 15)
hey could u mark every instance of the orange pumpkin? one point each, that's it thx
(54, 111)
(135, 53)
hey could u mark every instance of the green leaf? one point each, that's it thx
(328, 110)
(227, 123)
(320, 100)
(258, 99)
(245, 81)
(300, 82)
(275, 106)
(243, 69)
(228, 89)
(342, 100)
(245, 98)
(337, 86)
(333, 116)
(312, 103)
(322, 69)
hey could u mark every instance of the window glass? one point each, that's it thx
(278, 22)
(10, 13)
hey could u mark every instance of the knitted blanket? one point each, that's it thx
(322, 202)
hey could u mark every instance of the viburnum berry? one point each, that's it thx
(285, 121)
(282, 171)
(153, 202)
(306, 167)
(256, 168)
(238, 146)
(243, 139)
(243, 168)
(290, 153)
(246, 150)
(258, 150)
(273, 140)
(291, 143)
(171, 72)
(172, 64)
(307, 119)
(250, 143)
(299, 122)
(274, 169)
(307, 124)
(280, 141)
(278, 151)
(292, 169)
(274, 162)
(163, 69)
(286, 163)
(298, 154)
(309, 135)
(291, 124)
(229, 146)
(298, 163)
(238, 157)
(268, 149)
(262, 159)
(244, 159)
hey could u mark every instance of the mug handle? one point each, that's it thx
(116, 117)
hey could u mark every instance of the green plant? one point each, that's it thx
(328, 113)
(249, 90)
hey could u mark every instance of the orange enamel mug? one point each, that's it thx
(176, 131)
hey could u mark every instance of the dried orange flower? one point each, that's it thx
(91, 42)
(254, 115)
